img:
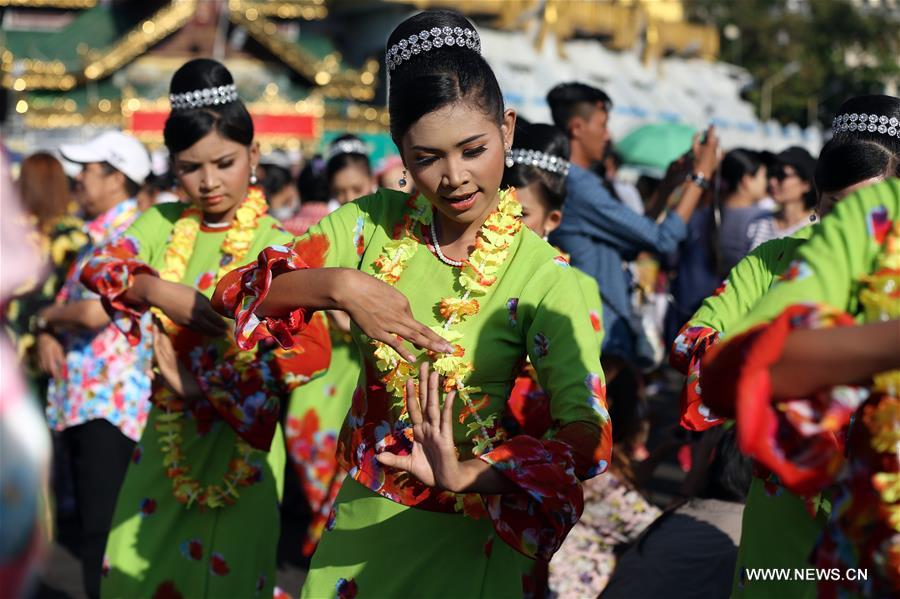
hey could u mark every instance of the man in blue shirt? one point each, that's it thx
(597, 230)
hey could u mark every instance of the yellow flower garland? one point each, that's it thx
(476, 275)
(188, 490)
(879, 301)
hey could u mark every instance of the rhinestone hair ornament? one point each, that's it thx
(347, 146)
(861, 122)
(199, 98)
(430, 39)
(547, 162)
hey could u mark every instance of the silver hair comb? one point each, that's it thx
(872, 123)
(430, 39)
(541, 160)
(199, 98)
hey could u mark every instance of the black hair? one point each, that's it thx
(275, 179)
(567, 100)
(728, 478)
(854, 156)
(312, 182)
(736, 165)
(339, 162)
(805, 166)
(730, 471)
(131, 187)
(185, 127)
(432, 79)
(615, 157)
(628, 406)
(549, 140)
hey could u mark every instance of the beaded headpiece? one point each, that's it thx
(347, 146)
(872, 123)
(210, 96)
(548, 162)
(427, 40)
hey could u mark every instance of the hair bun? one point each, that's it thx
(199, 74)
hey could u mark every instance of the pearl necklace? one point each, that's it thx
(217, 225)
(437, 248)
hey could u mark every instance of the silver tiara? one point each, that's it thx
(541, 160)
(347, 146)
(872, 123)
(198, 98)
(429, 39)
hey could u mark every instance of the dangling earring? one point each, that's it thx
(509, 159)
(402, 181)
(813, 218)
(253, 179)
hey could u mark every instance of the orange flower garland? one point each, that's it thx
(879, 300)
(476, 275)
(188, 490)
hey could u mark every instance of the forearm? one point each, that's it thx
(818, 358)
(84, 314)
(476, 476)
(142, 291)
(689, 200)
(313, 288)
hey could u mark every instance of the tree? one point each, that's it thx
(842, 50)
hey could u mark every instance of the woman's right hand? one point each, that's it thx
(383, 314)
(186, 306)
(706, 152)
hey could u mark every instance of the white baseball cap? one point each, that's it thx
(123, 152)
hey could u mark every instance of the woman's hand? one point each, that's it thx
(383, 314)
(51, 355)
(186, 306)
(433, 459)
(176, 375)
(341, 320)
(706, 154)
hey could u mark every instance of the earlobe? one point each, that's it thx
(551, 223)
(508, 127)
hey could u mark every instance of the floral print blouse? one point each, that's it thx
(105, 377)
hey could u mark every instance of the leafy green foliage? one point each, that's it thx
(842, 50)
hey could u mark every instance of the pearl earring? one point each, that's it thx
(509, 158)
(402, 181)
(253, 179)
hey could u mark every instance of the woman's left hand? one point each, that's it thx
(433, 458)
(175, 374)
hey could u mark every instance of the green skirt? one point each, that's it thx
(375, 547)
(159, 548)
(777, 532)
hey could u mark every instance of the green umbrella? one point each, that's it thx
(656, 145)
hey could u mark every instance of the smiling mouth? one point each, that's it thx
(459, 199)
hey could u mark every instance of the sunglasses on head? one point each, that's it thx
(780, 174)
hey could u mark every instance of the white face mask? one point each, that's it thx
(333, 205)
(283, 212)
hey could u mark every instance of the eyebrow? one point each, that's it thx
(219, 159)
(467, 140)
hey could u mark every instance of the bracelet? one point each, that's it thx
(698, 179)
(38, 324)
